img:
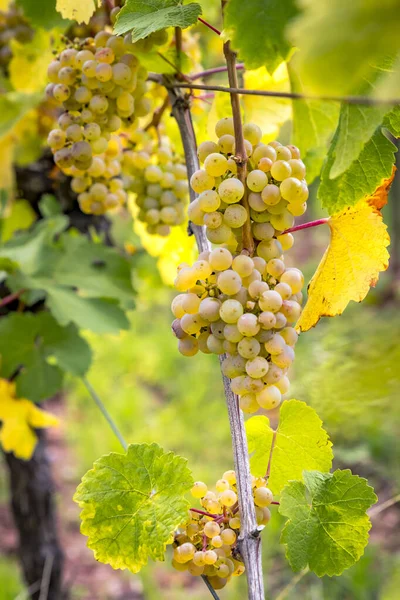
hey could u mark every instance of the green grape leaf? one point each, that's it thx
(339, 35)
(362, 178)
(392, 121)
(300, 444)
(132, 503)
(30, 341)
(143, 18)
(314, 123)
(82, 282)
(164, 62)
(328, 526)
(43, 13)
(256, 29)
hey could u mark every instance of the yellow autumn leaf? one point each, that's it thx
(353, 260)
(19, 418)
(269, 113)
(6, 165)
(4, 4)
(77, 10)
(28, 66)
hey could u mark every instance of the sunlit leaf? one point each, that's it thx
(357, 253)
(77, 10)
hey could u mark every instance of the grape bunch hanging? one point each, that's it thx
(101, 86)
(237, 305)
(207, 543)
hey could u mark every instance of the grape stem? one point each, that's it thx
(203, 512)
(362, 100)
(214, 71)
(240, 149)
(267, 474)
(156, 119)
(214, 29)
(8, 299)
(250, 547)
(306, 225)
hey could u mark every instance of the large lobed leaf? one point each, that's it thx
(353, 260)
(19, 418)
(145, 17)
(132, 503)
(82, 282)
(300, 444)
(328, 526)
(256, 29)
(28, 341)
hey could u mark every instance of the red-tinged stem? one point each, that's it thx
(205, 542)
(202, 512)
(214, 71)
(267, 474)
(8, 299)
(214, 29)
(275, 502)
(306, 225)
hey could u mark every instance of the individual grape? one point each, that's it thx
(269, 249)
(252, 133)
(57, 139)
(298, 168)
(224, 126)
(294, 278)
(265, 164)
(284, 359)
(270, 397)
(291, 189)
(280, 170)
(257, 367)
(275, 345)
(220, 234)
(211, 529)
(201, 181)
(226, 144)
(286, 240)
(243, 265)
(215, 165)
(213, 219)
(249, 347)
(283, 385)
(263, 497)
(231, 311)
(256, 180)
(267, 320)
(249, 405)
(229, 282)
(206, 148)
(284, 290)
(228, 498)
(270, 301)
(232, 333)
(264, 151)
(231, 190)
(209, 201)
(290, 335)
(271, 194)
(209, 309)
(275, 267)
(235, 216)
(256, 202)
(248, 325)
(188, 346)
(228, 537)
(283, 153)
(263, 231)
(215, 345)
(220, 259)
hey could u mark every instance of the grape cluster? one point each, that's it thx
(158, 177)
(101, 86)
(275, 189)
(13, 26)
(245, 308)
(206, 543)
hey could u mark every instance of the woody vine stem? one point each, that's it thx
(249, 542)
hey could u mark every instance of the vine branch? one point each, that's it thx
(365, 100)
(240, 148)
(214, 71)
(249, 542)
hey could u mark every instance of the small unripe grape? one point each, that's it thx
(61, 92)
(198, 558)
(217, 542)
(53, 70)
(265, 164)
(121, 74)
(231, 190)
(215, 164)
(234, 523)
(228, 537)
(269, 398)
(222, 485)
(57, 139)
(286, 240)
(264, 151)
(228, 498)
(187, 551)
(210, 557)
(81, 151)
(104, 72)
(98, 104)
(230, 477)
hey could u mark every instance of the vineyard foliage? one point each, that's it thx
(86, 101)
